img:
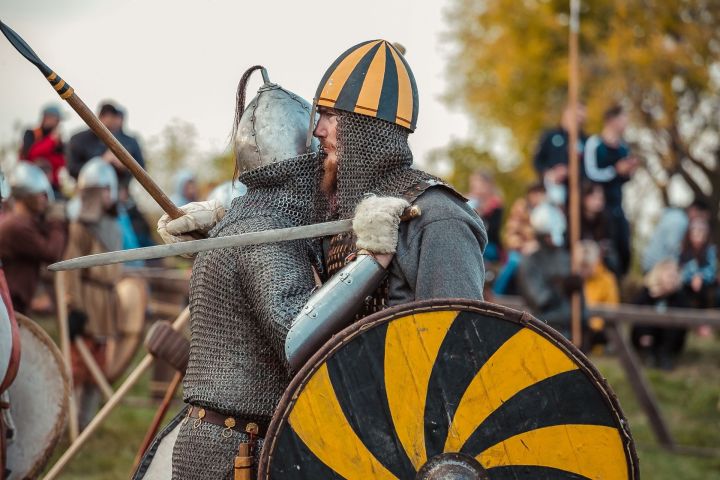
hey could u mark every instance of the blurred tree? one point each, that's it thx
(224, 164)
(466, 157)
(176, 144)
(657, 57)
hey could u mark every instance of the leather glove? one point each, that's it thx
(76, 323)
(376, 223)
(199, 216)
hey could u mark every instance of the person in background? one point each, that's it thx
(44, 147)
(595, 224)
(484, 198)
(667, 238)
(551, 157)
(698, 265)
(518, 239)
(186, 188)
(545, 278)
(91, 296)
(86, 145)
(600, 287)
(662, 288)
(32, 233)
(607, 161)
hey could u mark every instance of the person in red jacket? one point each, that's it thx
(44, 147)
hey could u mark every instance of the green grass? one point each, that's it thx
(689, 398)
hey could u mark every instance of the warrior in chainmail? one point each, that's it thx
(368, 106)
(366, 116)
(243, 299)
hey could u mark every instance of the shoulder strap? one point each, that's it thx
(414, 192)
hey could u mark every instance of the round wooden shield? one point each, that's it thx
(132, 304)
(449, 389)
(39, 399)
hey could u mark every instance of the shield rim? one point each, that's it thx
(290, 396)
(59, 427)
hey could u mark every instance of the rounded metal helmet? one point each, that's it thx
(272, 127)
(28, 179)
(372, 79)
(226, 192)
(97, 173)
(4, 187)
(547, 219)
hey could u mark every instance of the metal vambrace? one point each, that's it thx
(332, 308)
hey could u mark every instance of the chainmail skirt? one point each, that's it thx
(203, 453)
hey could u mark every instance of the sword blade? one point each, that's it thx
(196, 246)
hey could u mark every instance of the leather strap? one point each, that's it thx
(198, 415)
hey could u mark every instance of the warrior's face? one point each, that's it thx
(326, 132)
(35, 203)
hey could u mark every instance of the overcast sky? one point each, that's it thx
(164, 59)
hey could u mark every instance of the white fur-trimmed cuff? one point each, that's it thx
(376, 223)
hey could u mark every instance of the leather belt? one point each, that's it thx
(239, 424)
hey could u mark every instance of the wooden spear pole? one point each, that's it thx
(129, 382)
(574, 167)
(60, 300)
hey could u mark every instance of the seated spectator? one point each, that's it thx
(600, 287)
(485, 199)
(518, 239)
(32, 233)
(595, 224)
(667, 239)
(545, 279)
(698, 265)
(44, 147)
(660, 346)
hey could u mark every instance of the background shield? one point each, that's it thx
(449, 389)
(132, 294)
(38, 401)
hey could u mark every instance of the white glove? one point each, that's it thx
(199, 216)
(376, 223)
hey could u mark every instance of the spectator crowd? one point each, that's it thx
(529, 249)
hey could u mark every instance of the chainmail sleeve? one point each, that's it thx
(283, 282)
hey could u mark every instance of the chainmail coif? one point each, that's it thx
(373, 157)
(242, 302)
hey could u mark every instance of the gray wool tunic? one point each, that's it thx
(440, 253)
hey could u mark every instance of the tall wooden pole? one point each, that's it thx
(574, 167)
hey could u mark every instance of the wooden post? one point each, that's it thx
(640, 386)
(573, 166)
(114, 401)
(61, 301)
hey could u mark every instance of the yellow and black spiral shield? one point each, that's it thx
(372, 79)
(464, 381)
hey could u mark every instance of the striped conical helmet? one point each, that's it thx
(373, 79)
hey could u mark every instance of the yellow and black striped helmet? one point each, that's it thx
(373, 79)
